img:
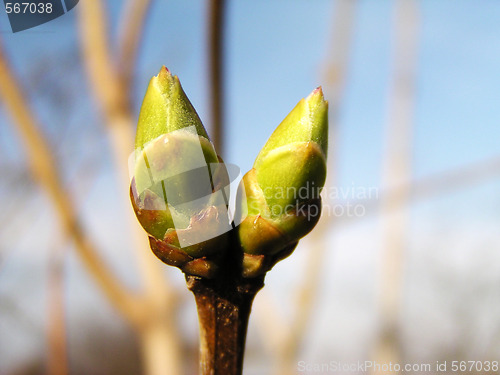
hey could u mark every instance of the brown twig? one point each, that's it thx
(216, 67)
(224, 306)
(223, 313)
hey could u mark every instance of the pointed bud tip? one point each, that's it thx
(165, 76)
(165, 108)
(316, 94)
(317, 91)
(316, 98)
(164, 72)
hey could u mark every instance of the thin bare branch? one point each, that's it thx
(275, 329)
(397, 171)
(43, 168)
(158, 330)
(96, 53)
(338, 56)
(216, 65)
(56, 324)
(428, 187)
(131, 32)
(336, 71)
(119, 121)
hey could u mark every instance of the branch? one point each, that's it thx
(397, 170)
(132, 26)
(43, 168)
(336, 72)
(158, 331)
(119, 121)
(426, 187)
(57, 363)
(224, 306)
(101, 70)
(216, 67)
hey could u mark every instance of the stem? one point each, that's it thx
(57, 363)
(224, 307)
(216, 13)
(132, 26)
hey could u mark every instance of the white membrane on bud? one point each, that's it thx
(172, 170)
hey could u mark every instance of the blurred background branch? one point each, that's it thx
(43, 168)
(131, 31)
(161, 343)
(290, 339)
(427, 187)
(216, 24)
(305, 303)
(397, 166)
(57, 357)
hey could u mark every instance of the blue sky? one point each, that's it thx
(276, 53)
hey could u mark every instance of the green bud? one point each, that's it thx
(165, 108)
(281, 201)
(178, 180)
